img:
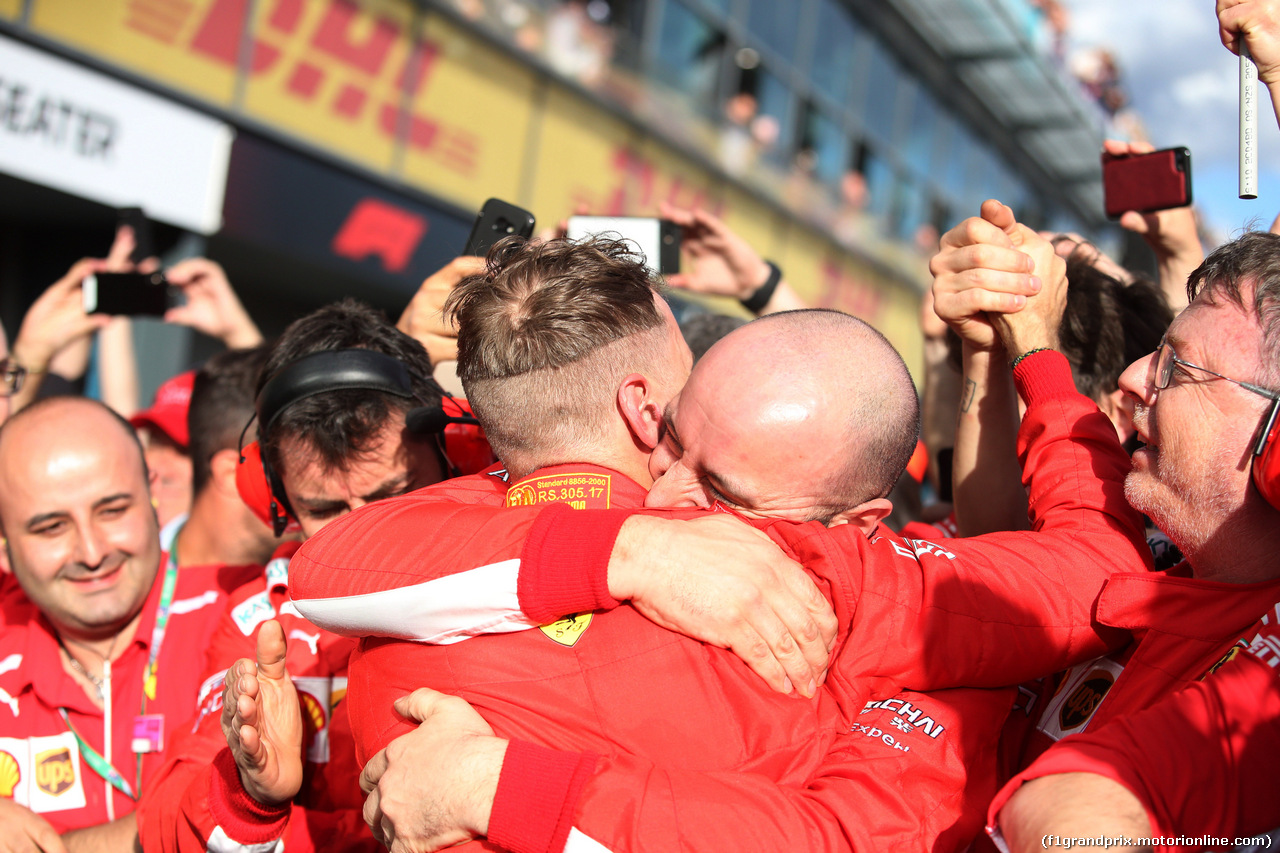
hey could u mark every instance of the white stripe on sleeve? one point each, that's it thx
(445, 610)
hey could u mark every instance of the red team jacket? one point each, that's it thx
(196, 801)
(913, 599)
(1202, 760)
(43, 765)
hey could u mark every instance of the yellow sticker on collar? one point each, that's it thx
(581, 490)
(568, 630)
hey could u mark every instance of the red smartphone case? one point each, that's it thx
(1146, 182)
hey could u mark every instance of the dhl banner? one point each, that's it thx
(408, 94)
(10, 9)
(471, 117)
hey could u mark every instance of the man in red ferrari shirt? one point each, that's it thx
(1142, 760)
(95, 666)
(335, 433)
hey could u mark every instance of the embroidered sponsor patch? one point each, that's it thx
(278, 572)
(55, 781)
(1078, 697)
(583, 490)
(55, 773)
(907, 717)
(1085, 699)
(569, 630)
(1266, 647)
(1222, 661)
(252, 612)
(314, 694)
(42, 773)
(209, 700)
(10, 774)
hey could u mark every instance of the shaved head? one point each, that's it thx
(82, 536)
(802, 414)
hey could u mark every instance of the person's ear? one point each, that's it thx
(865, 516)
(223, 469)
(1118, 406)
(640, 411)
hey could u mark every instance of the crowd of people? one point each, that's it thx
(732, 585)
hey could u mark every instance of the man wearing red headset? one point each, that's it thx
(347, 413)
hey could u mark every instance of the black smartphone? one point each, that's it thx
(658, 240)
(144, 240)
(497, 219)
(1146, 182)
(132, 294)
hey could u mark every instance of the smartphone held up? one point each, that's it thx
(657, 240)
(132, 294)
(497, 219)
(1146, 182)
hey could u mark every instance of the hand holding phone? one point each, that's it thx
(497, 219)
(657, 240)
(1146, 182)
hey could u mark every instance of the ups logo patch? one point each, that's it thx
(55, 771)
(568, 630)
(1081, 704)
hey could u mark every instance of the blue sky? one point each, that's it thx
(1183, 83)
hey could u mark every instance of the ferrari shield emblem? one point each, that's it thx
(568, 630)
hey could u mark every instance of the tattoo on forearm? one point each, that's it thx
(970, 388)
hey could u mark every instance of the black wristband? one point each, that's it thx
(756, 302)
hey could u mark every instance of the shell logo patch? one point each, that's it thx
(313, 715)
(10, 775)
(54, 771)
(569, 630)
(1081, 704)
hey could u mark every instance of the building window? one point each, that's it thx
(689, 53)
(776, 24)
(835, 48)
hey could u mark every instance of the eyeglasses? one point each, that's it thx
(14, 375)
(1166, 359)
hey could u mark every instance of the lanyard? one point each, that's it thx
(162, 625)
(99, 764)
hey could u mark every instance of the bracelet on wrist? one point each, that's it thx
(756, 302)
(1019, 359)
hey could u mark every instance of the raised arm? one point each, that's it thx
(978, 273)
(724, 264)
(1257, 24)
(428, 568)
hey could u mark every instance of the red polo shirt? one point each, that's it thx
(43, 765)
